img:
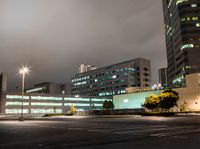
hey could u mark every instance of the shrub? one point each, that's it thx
(72, 110)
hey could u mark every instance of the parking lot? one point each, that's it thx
(180, 132)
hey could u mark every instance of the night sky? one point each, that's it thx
(55, 36)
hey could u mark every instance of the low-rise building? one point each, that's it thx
(47, 104)
(3, 82)
(44, 98)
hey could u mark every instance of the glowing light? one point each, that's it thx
(77, 96)
(125, 100)
(24, 70)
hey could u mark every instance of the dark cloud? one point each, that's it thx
(55, 36)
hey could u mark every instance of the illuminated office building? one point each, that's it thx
(44, 98)
(47, 104)
(113, 79)
(182, 32)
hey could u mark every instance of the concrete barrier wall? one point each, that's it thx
(189, 94)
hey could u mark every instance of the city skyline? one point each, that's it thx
(55, 37)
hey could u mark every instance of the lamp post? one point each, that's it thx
(23, 71)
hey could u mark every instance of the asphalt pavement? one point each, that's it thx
(134, 132)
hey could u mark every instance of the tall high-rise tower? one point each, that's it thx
(182, 32)
(3, 82)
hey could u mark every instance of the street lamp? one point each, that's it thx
(23, 71)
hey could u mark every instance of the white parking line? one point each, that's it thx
(96, 130)
(185, 131)
(75, 128)
(140, 131)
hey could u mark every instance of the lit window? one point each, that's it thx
(98, 105)
(16, 97)
(45, 104)
(123, 91)
(102, 94)
(195, 18)
(182, 19)
(198, 25)
(35, 90)
(77, 104)
(16, 103)
(187, 46)
(180, 1)
(193, 5)
(114, 77)
(45, 98)
(10, 111)
(188, 18)
(77, 99)
(95, 99)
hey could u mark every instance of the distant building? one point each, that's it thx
(85, 68)
(50, 88)
(182, 34)
(162, 74)
(113, 79)
(3, 82)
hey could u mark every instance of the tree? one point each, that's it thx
(54, 109)
(93, 107)
(184, 107)
(168, 99)
(72, 110)
(152, 102)
(108, 105)
(111, 105)
(171, 91)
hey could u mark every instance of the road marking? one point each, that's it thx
(138, 131)
(172, 130)
(96, 130)
(75, 128)
(175, 133)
